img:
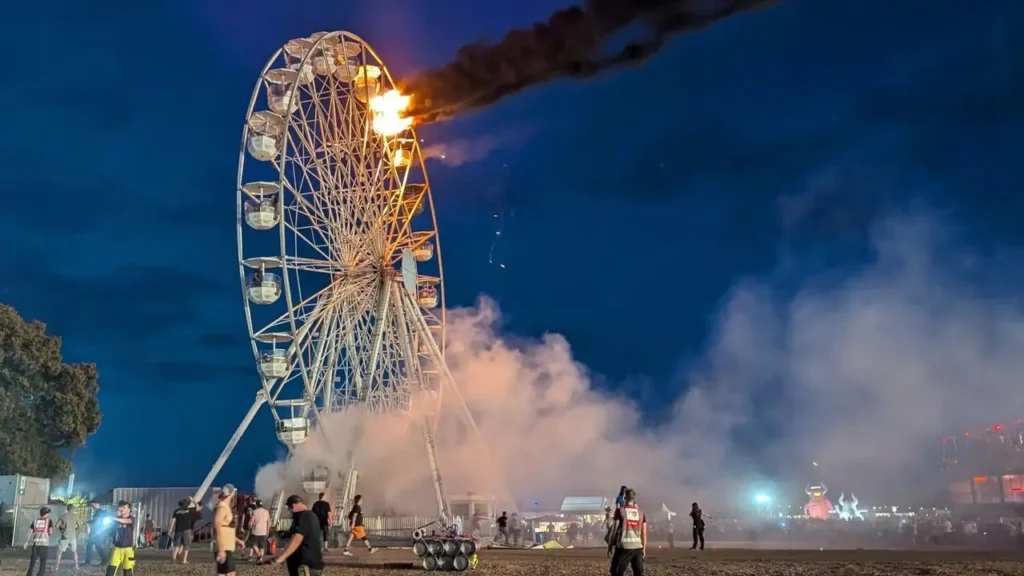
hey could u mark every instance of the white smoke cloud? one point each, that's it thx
(860, 373)
(467, 150)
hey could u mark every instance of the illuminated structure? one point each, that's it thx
(818, 506)
(985, 468)
(339, 260)
(847, 509)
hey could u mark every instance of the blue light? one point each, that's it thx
(763, 498)
(108, 521)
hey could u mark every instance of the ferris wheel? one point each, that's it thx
(338, 248)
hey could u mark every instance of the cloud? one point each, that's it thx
(861, 374)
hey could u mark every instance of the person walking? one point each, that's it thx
(39, 539)
(356, 529)
(181, 530)
(628, 543)
(322, 511)
(698, 517)
(304, 554)
(259, 531)
(69, 525)
(609, 523)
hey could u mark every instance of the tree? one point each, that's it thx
(47, 407)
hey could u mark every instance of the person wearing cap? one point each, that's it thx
(39, 539)
(123, 554)
(225, 535)
(304, 554)
(628, 544)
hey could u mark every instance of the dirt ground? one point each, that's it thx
(714, 562)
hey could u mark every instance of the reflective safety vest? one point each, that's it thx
(41, 532)
(631, 528)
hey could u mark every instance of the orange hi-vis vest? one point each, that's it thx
(631, 530)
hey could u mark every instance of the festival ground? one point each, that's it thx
(721, 562)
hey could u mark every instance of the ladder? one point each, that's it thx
(276, 509)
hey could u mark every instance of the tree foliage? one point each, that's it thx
(47, 407)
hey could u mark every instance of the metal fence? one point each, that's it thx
(395, 526)
(15, 527)
(401, 527)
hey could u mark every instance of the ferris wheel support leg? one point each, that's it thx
(344, 503)
(438, 358)
(435, 471)
(449, 381)
(261, 398)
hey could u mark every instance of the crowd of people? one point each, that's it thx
(112, 537)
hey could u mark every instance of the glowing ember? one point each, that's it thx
(387, 113)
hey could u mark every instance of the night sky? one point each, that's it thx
(628, 205)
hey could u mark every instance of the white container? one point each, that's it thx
(18, 490)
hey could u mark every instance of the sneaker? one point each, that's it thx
(373, 550)
(347, 553)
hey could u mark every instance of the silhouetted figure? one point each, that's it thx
(698, 526)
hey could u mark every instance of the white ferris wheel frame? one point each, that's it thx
(395, 288)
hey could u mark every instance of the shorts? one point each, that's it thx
(359, 532)
(123, 558)
(66, 543)
(257, 542)
(183, 538)
(228, 565)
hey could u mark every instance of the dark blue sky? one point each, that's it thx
(630, 203)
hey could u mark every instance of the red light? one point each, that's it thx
(967, 433)
(997, 427)
(1016, 489)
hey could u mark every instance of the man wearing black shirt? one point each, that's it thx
(304, 554)
(356, 529)
(503, 526)
(97, 533)
(322, 511)
(181, 529)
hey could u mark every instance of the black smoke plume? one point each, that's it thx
(571, 44)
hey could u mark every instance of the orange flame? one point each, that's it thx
(387, 113)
